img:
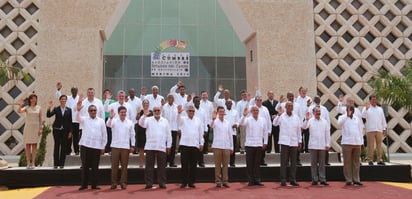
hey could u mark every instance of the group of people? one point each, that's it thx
(153, 127)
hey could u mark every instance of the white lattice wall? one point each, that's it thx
(19, 26)
(354, 39)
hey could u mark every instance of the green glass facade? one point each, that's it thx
(217, 54)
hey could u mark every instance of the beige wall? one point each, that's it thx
(70, 47)
(284, 42)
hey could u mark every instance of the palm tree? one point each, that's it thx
(395, 90)
(9, 72)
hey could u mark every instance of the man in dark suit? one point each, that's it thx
(270, 104)
(62, 129)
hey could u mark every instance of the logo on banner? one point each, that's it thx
(170, 64)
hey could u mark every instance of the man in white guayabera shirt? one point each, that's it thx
(123, 141)
(375, 128)
(158, 143)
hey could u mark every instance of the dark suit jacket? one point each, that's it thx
(271, 107)
(60, 120)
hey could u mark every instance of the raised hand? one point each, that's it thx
(21, 102)
(308, 103)
(79, 105)
(179, 83)
(220, 88)
(308, 116)
(179, 109)
(59, 86)
(112, 114)
(50, 104)
(245, 111)
(367, 105)
(214, 115)
(281, 99)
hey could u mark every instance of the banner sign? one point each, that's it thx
(170, 64)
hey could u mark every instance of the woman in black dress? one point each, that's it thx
(141, 132)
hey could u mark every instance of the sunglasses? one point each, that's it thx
(191, 111)
(92, 110)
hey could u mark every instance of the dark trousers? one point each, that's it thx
(60, 147)
(253, 160)
(233, 156)
(136, 128)
(74, 140)
(107, 148)
(305, 141)
(273, 138)
(160, 157)
(288, 153)
(189, 158)
(90, 164)
(171, 156)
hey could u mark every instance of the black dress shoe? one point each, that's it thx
(242, 152)
(357, 184)
(82, 188)
(381, 163)
(258, 184)
(370, 163)
(298, 164)
(172, 165)
(148, 187)
(113, 186)
(324, 183)
(183, 186)
(348, 183)
(123, 186)
(295, 184)
(327, 164)
(226, 185)
(202, 165)
(263, 164)
(162, 186)
(283, 184)
(232, 165)
(314, 182)
(96, 188)
(192, 185)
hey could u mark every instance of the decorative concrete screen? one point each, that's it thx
(354, 39)
(19, 26)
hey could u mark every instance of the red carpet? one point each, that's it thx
(336, 190)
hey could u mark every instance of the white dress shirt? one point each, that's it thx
(170, 113)
(222, 101)
(123, 135)
(241, 105)
(351, 130)
(115, 107)
(302, 101)
(192, 131)
(99, 107)
(290, 129)
(222, 134)
(296, 109)
(324, 113)
(232, 117)
(200, 113)
(158, 136)
(135, 103)
(319, 133)
(256, 131)
(179, 99)
(375, 119)
(94, 133)
(72, 104)
(264, 113)
(154, 101)
(207, 106)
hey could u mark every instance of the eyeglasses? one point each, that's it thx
(92, 110)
